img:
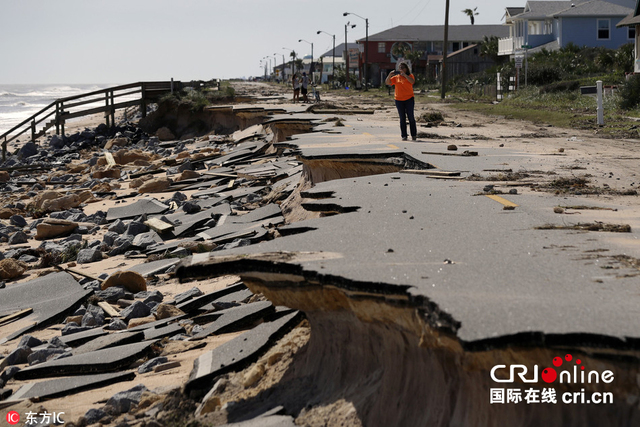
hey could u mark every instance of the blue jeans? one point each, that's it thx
(405, 110)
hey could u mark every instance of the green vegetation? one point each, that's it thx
(199, 94)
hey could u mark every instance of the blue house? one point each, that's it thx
(552, 25)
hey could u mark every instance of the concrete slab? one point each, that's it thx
(268, 211)
(234, 318)
(61, 387)
(157, 324)
(146, 205)
(239, 352)
(80, 338)
(270, 421)
(165, 331)
(51, 297)
(100, 361)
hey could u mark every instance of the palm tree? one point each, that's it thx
(471, 13)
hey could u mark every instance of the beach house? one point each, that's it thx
(632, 24)
(552, 25)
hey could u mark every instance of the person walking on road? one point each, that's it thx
(296, 88)
(403, 81)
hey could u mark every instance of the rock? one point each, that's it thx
(28, 258)
(29, 341)
(155, 185)
(86, 256)
(4, 176)
(558, 210)
(185, 296)
(137, 182)
(10, 269)
(165, 134)
(51, 228)
(56, 342)
(123, 402)
(112, 173)
(141, 321)
(178, 197)
(190, 207)
(18, 238)
(73, 328)
(188, 174)
(18, 221)
(116, 142)
(92, 319)
(123, 157)
(57, 142)
(110, 237)
(111, 294)
(130, 280)
(77, 319)
(488, 188)
(135, 310)
(150, 364)
(120, 248)
(452, 147)
(16, 357)
(513, 191)
(134, 228)
(116, 325)
(117, 227)
(147, 239)
(7, 374)
(27, 150)
(62, 203)
(148, 297)
(43, 355)
(164, 311)
(180, 253)
(94, 415)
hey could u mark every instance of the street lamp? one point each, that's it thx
(346, 48)
(366, 47)
(310, 66)
(333, 57)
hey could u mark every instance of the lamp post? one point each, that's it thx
(274, 65)
(366, 47)
(333, 57)
(346, 49)
(311, 65)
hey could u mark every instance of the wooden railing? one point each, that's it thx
(59, 111)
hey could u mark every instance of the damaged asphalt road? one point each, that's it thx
(413, 282)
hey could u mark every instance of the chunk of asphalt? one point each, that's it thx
(93, 415)
(79, 338)
(147, 206)
(48, 307)
(66, 386)
(109, 341)
(198, 302)
(150, 364)
(268, 421)
(100, 361)
(154, 267)
(29, 341)
(239, 352)
(165, 331)
(185, 296)
(16, 357)
(42, 355)
(157, 324)
(235, 318)
(260, 214)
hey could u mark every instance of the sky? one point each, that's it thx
(123, 41)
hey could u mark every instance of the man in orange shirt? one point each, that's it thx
(403, 81)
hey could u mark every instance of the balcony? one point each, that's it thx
(509, 45)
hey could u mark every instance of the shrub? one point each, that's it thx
(560, 87)
(630, 93)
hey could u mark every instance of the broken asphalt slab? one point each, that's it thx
(61, 387)
(145, 205)
(232, 319)
(100, 361)
(50, 297)
(239, 352)
(400, 246)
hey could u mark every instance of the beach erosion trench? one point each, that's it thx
(379, 353)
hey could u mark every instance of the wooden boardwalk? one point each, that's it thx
(59, 111)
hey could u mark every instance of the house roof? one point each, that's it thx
(457, 33)
(513, 11)
(598, 8)
(543, 9)
(340, 49)
(631, 19)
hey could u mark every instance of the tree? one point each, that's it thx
(489, 48)
(471, 13)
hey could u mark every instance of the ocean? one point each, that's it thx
(19, 102)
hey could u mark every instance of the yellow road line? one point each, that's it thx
(506, 203)
(366, 133)
(393, 146)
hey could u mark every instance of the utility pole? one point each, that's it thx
(444, 51)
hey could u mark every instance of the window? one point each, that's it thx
(632, 33)
(382, 46)
(456, 46)
(603, 29)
